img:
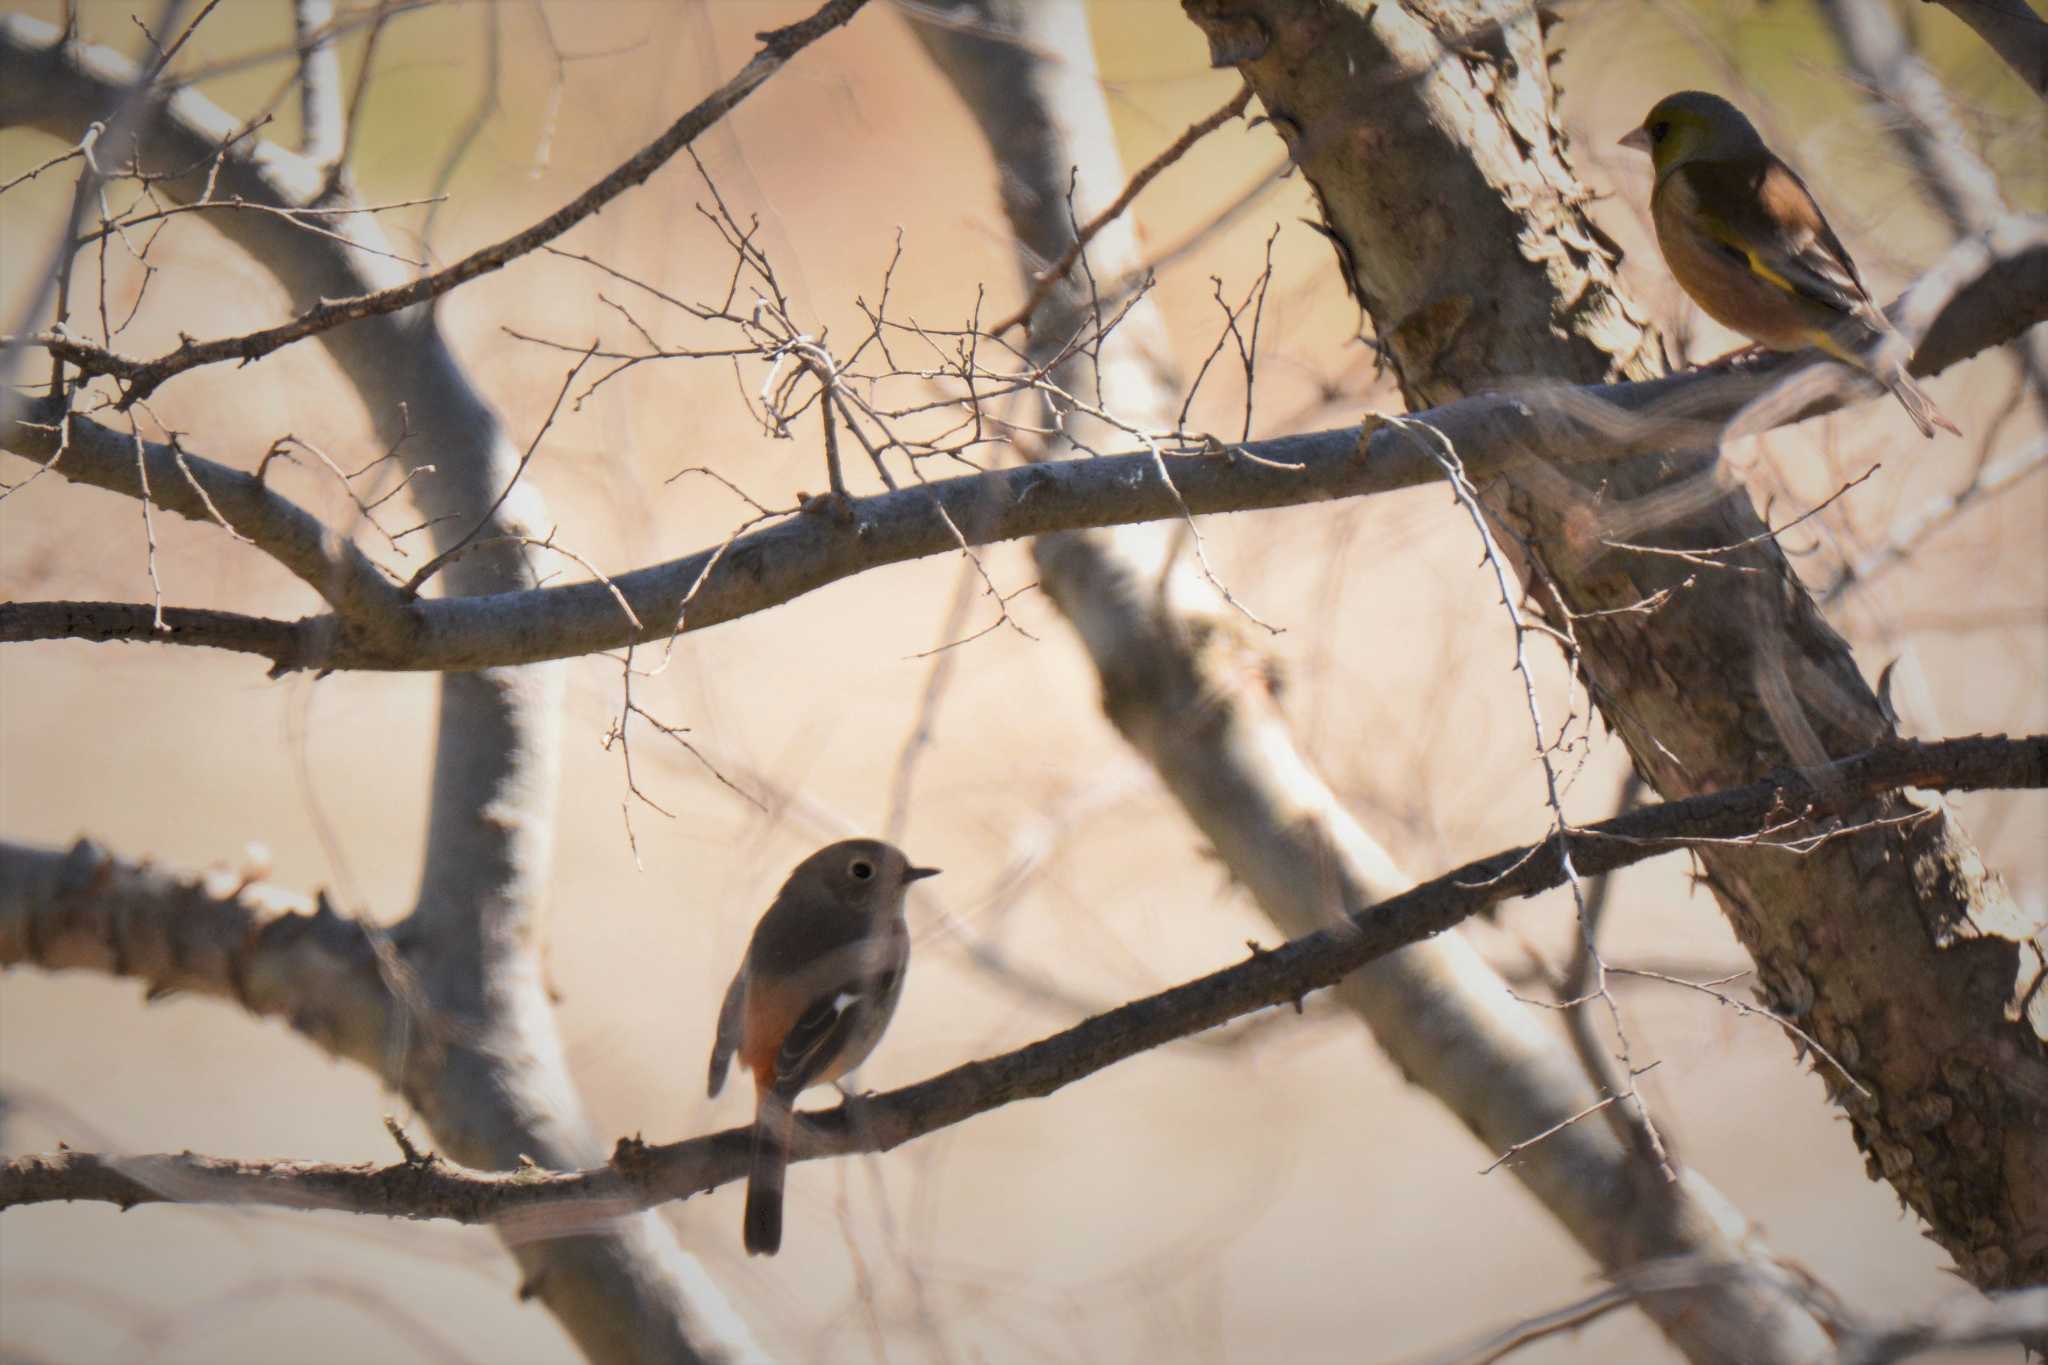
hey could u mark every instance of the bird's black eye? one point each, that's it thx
(1660, 130)
(861, 870)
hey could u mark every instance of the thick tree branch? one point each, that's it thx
(23, 37)
(2000, 297)
(1787, 814)
(274, 953)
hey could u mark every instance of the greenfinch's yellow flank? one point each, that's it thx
(1745, 239)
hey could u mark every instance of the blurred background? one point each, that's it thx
(1270, 1191)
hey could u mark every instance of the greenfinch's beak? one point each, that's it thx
(1638, 141)
(918, 874)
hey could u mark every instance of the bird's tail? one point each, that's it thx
(763, 1226)
(1884, 360)
(1918, 405)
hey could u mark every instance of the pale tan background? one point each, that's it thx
(1272, 1193)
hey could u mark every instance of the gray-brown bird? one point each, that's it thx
(1744, 237)
(818, 985)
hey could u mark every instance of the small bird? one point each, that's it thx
(1744, 237)
(817, 987)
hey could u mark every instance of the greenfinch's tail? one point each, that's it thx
(1911, 397)
(1919, 406)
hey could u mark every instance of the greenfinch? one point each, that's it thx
(1744, 237)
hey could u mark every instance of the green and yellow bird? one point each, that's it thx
(1744, 237)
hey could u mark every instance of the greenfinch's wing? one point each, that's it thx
(1757, 211)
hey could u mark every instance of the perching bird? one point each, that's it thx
(1744, 237)
(810, 1000)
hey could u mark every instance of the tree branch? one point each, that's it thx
(142, 378)
(1910, 101)
(1562, 425)
(1789, 812)
(86, 452)
(274, 953)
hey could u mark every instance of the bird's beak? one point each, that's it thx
(1638, 141)
(918, 874)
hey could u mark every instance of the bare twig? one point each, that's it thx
(439, 561)
(141, 378)
(1178, 148)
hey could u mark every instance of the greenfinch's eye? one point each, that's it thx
(860, 869)
(1660, 130)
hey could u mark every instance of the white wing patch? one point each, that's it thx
(842, 1001)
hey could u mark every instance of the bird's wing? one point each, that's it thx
(1764, 216)
(823, 1030)
(728, 1038)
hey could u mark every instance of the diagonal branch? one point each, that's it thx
(142, 378)
(1789, 812)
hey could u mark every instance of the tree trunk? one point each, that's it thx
(1186, 687)
(1426, 130)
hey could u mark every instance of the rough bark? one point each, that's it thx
(1427, 133)
(1189, 690)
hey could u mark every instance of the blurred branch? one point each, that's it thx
(2016, 1318)
(215, 934)
(1791, 813)
(1999, 297)
(23, 40)
(2013, 31)
(1912, 530)
(1917, 112)
(2011, 1318)
(322, 122)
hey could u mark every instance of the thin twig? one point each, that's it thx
(1059, 269)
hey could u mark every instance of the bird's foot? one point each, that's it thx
(856, 1106)
(1740, 358)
